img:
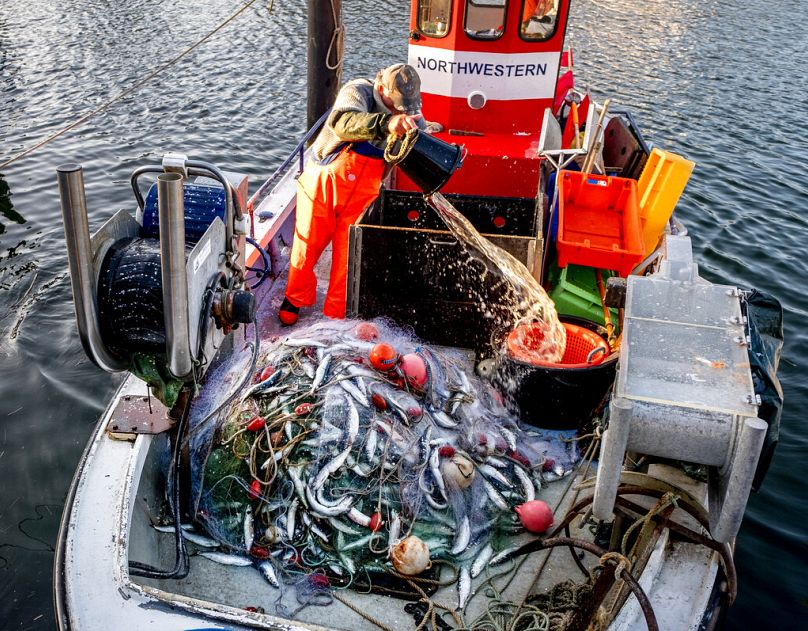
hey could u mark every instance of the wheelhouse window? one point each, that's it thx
(485, 19)
(539, 19)
(434, 17)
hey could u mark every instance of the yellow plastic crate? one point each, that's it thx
(661, 184)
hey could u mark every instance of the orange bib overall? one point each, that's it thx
(330, 199)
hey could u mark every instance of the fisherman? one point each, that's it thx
(343, 177)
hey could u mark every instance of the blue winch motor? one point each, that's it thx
(203, 203)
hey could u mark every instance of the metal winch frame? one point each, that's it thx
(684, 388)
(204, 295)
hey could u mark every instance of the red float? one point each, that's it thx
(383, 357)
(535, 516)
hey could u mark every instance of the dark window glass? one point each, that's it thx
(485, 19)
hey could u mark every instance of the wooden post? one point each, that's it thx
(324, 52)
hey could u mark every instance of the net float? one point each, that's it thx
(413, 367)
(458, 471)
(256, 490)
(383, 357)
(379, 401)
(375, 522)
(366, 331)
(410, 556)
(266, 373)
(303, 409)
(535, 516)
(256, 423)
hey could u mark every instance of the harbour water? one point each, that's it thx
(711, 80)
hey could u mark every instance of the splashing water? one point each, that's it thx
(519, 300)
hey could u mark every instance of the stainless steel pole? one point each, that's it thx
(171, 210)
(80, 261)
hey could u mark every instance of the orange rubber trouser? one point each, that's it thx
(329, 199)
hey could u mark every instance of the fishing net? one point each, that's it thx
(343, 450)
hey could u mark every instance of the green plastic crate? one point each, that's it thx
(575, 292)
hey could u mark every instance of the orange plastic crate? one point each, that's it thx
(599, 222)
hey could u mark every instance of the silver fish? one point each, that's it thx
(463, 588)
(483, 557)
(360, 374)
(496, 462)
(434, 467)
(334, 510)
(290, 519)
(267, 569)
(267, 386)
(371, 443)
(443, 419)
(462, 537)
(434, 504)
(363, 541)
(499, 557)
(494, 495)
(314, 528)
(338, 525)
(358, 517)
(526, 482)
(351, 389)
(395, 531)
(358, 470)
(347, 562)
(193, 537)
(296, 473)
(509, 437)
(491, 473)
(249, 530)
(298, 342)
(309, 370)
(226, 559)
(322, 371)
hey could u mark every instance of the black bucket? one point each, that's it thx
(556, 396)
(430, 162)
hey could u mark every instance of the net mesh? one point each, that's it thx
(326, 464)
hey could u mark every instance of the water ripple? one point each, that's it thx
(709, 79)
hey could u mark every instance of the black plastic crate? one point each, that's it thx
(406, 265)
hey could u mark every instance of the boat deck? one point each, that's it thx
(126, 475)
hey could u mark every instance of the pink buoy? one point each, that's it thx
(366, 331)
(413, 367)
(535, 516)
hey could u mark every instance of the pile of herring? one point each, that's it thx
(356, 449)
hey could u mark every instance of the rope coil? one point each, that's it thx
(391, 156)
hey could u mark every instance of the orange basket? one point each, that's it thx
(599, 222)
(584, 347)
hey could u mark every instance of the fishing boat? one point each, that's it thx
(671, 393)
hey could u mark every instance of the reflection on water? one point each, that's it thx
(703, 78)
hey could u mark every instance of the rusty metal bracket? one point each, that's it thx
(138, 414)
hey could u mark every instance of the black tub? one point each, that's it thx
(558, 397)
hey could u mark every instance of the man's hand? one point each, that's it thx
(400, 124)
